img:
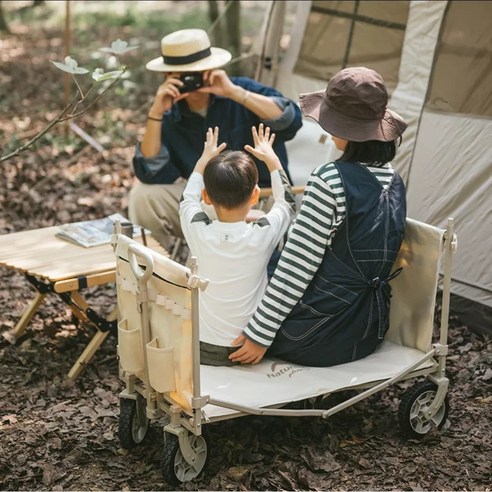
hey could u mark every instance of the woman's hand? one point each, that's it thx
(210, 149)
(248, 353)
(263, 149)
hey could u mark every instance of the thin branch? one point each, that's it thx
(84, 98)
(62, 117)
(78, 86)
(50, 125)
(73, 115)
(79, 102)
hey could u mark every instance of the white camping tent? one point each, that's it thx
(436, 58)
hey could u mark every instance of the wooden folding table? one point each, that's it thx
(53, 265)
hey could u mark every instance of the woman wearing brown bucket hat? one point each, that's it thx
(196, 95)
(328, 300)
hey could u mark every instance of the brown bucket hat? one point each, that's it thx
(353, 107)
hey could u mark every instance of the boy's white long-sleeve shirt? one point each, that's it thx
(233, 257)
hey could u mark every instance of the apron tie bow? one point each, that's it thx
(377, 283)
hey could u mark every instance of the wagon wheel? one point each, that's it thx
(175, 469)
(413, 406)
(133, 423)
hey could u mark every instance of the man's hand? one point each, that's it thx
(218, 82)
(249, 353)
(263, 147)
(167, 94)
(210, 149)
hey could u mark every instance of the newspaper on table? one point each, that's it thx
(95, 232)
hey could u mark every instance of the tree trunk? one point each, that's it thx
(216, 31)
(3, 23)
(225, 29)
(233, 27)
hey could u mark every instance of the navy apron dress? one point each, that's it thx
(344, 313)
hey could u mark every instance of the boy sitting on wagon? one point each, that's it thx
(231, 252)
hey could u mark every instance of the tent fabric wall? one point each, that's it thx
(451, 176)
(445, 158)
(408, 98)
(338, 34)
(464, 57)
(450, 169)
(288, 82)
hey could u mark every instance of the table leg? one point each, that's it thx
(83, 307)
(27, 315)
(87, 354)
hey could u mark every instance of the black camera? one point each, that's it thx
(191, 81)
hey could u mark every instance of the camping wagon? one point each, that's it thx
(158, 348)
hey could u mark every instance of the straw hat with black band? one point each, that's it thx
(354, 107)
(188, 50)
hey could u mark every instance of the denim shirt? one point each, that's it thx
(183, 134)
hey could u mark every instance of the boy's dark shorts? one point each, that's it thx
(216, 355)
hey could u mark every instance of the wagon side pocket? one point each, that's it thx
(161, 367)
(130, 348)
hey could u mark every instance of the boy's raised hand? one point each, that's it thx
(263, 150)
(210, 149)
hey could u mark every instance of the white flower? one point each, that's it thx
(70, 66)
(118, 47)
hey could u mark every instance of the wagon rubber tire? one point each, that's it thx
(415, 401)
(133, 423)
(175, 469)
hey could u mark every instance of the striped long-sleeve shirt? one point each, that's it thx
(321, 214)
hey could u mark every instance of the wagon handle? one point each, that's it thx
(142, 275)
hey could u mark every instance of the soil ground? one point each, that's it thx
(56, 434)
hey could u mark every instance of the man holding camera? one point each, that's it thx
(196, 95)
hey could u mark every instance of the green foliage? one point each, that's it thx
(26, 14)
(151, 21)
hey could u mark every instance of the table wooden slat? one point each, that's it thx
(40, 253)
(43, 258)
(28, 240)
(63, 271)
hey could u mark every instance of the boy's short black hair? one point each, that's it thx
(230, 178)
(373, 152)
